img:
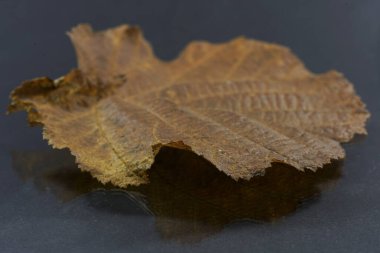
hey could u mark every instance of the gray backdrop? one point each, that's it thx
(342, 35)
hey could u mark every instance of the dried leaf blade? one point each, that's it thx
(242, 105)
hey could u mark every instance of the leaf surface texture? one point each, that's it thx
(242, 105)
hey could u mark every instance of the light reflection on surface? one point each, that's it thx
(188, 196)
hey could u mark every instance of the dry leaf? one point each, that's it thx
(242, 105)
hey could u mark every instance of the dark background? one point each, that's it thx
(342, 35)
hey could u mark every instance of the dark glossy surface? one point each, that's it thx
(46, 205)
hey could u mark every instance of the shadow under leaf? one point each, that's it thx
(189, 197)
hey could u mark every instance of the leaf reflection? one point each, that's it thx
(188, 196)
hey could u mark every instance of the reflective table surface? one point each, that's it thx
(48, 205)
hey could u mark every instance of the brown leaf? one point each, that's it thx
(242, 105)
